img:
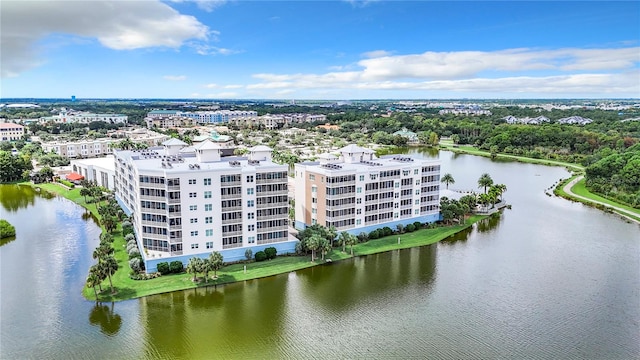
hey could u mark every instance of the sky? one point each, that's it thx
(325, 50)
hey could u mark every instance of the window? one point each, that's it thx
(208, 207)
(193, 221)
(207, 181)
(417, 192)
(194, 233)
(359, 201)
(193, 207)
(314, 211)
(314, 200)
(312, 177)
(251, 239)
(397, 184)
(250, 203)
(249, 191)
(251, 216)
(250, 178)
(210, 245)
(359, 190)
(359, 211)
(192, 195)
(358, 221)
(416, 211)
(314, 221)
(251, 227)
(417, 202)
(361, 177)
(314, 189)
(192, 181)
(208, 232)
(208, 220)
(415, 171)
(207, 194)
(194, 246)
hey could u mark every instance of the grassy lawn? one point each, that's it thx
(467, 149)
(126, 288)
(581, 189)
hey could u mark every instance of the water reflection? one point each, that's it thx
(490, 223)
(106, 318)
(7, 240)
(14, 197)
(343, 285)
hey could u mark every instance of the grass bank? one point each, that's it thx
(580, 188)
(471, 150)
(126, 288)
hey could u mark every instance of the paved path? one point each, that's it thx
(567, 189)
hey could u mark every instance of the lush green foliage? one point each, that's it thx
(270, 252)
(163, 268)
(6, 229)
(14, 167)
(260, 256)
(616, 174)
(176, 267)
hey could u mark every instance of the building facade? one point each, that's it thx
(84, 118)
(101, 170)
(11, 132)
(185, 204)
(357, 192)
(87, 148)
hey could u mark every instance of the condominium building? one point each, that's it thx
(11, 132)
(84, 118)
(190, 201)
(166, 122)
(218, 116)
(101, 170)
(357, 192)
(103, 146)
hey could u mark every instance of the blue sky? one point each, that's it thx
(320, 49)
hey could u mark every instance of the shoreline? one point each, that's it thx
(128, 289)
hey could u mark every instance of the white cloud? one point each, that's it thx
(175, 77)
(204, 49)
(206, 5)
(233, 86)
(530, 71)
(211, 86)
(118, 25)
(376, 54)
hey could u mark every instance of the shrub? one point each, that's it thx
(143, 276)
(134, 264)
(127, 228)
(363, 237)
(6, 229)
(176, 267)
(386, 231)
(400, 228)
(374, 234)
(131, 246)
(270, 252)
(134, 253)
(129, 237)
(248, 254)
(163, 268)
(417, 225)
(410, 228)
(261, 256)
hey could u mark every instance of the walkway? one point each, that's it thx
(625, 212)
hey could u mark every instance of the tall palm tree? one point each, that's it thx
(501, 188)
(110, 266)
(193, 267)
(217, 260)
(325, 247)
(205, 267)
(351, 240)
(342, 239)
(447, 179)
(92, 281)
(97, 271)
(485, 181)
(313, 243)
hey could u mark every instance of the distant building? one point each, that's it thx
(102, 146)
(357, 192)
(11, 131)
(412, 138)
(84, 118)
(167, 122)
(328, 127)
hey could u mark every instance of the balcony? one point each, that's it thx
(231, 233)
(175, 227)
(232, 221)
(153, 198)
(176, 240)
(155, 236)
(154, 223)
(175, 214)
(154, 211)
(173, 187)
(231, 196)
(231, 208)
(175, 253)
(272, 205)
(271, 193)
(231, 184)
(232, 246)
(152, 186)
(173, 201)
(273, 228)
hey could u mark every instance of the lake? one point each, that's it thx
(547, 279)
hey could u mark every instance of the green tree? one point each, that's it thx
(193, 267)
(447, 179)
(325, 247)
(217, 261)
(485, 181)
(109, 266)
(85, 192)
(313, 243)
(352, 240)
(343, 239)
(92, 281)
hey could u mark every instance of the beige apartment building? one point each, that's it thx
(11, 131)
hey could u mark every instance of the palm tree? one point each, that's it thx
(351, 240)
(216, 260)
(447, 179)
(85, 192)
(501, 188)
(325, 247)
(92, 281)
(193, 267)
(485, 181)
(342, 239)
(97, 271)
(205, 267)
(110, 266)
(313, 243)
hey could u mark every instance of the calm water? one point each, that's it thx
(548, 279)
